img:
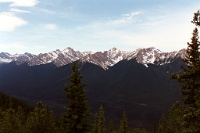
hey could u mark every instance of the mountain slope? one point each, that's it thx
(144, 92)
(7, 102)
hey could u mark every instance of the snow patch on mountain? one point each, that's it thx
(154, 56)
(103, 59)
(20, 58)
(59, 58)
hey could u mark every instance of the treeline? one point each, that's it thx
(39, 120)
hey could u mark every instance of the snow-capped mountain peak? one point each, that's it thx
(68, 50)
(7, 58)
(155, 56)
(147, 55)
(103, 59)
(114, 49)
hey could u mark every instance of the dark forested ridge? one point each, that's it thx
(7, 102)
(144, 92)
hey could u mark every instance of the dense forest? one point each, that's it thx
(182, 117)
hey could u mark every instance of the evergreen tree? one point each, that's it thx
(162, 125)
(101, 120)
(155, 127)
(174, 119)
(12, 121)
(76, 119)
(190, 83)
(7, 121)
(172, 123)
(196, 18)
(41, 120)
(96, 123)
(111, 127)
(20, 120)
(124, 124)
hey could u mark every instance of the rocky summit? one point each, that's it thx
(104, 59)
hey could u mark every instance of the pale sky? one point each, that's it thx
(39, 26)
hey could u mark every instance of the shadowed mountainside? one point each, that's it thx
(143, 92)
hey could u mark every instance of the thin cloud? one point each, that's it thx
(112, 23)
(47, 11)
(9, 21)
(19, 10)
(23, 3)
(145, 30)
(50, 26)
(131, 15)
(125, 18)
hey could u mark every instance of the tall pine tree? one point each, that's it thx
(111, 127)
(41, 120)
(99, 121)
(76, 119)
(190, 82)
(124, 124)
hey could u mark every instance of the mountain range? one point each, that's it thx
(137, 82)
(103, 59)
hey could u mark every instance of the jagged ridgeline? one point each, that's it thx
(104, 59)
